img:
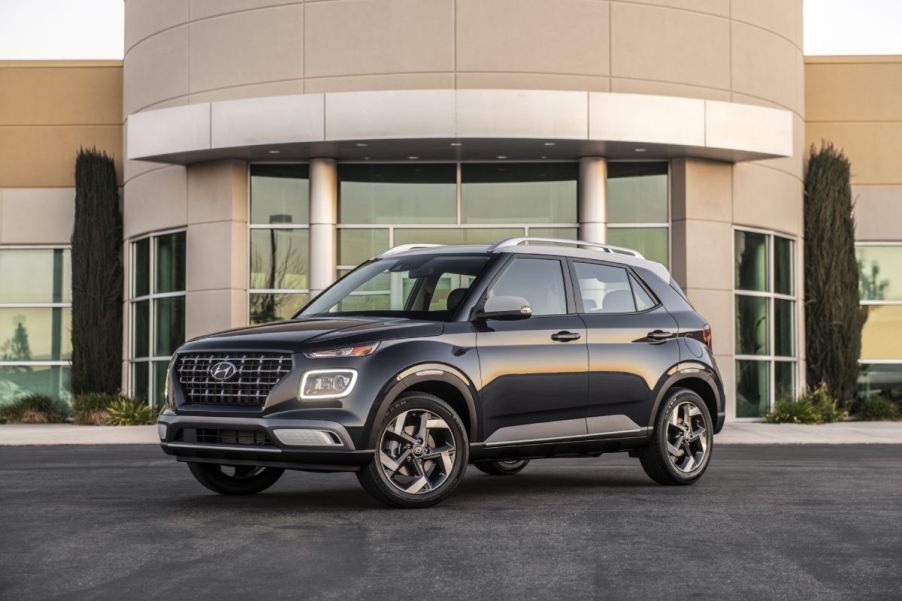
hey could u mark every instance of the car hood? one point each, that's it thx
(305, 334)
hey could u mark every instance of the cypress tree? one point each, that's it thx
(96, 276)
(833, 317)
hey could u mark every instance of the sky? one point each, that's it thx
(93, 29)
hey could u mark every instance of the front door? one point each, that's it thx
(631, 343)
(534, 370)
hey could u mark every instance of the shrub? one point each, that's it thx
(878, 408)
(91, 409)
(816, 406)
(34, 409)
(126, 412)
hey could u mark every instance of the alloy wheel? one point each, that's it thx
(687, 438)
(417, 451)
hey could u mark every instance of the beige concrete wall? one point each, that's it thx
(856, 103)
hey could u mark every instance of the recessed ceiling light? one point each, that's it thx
(456, 144)
(502, 156)
(640, 150)
(544, 157)
(361, 144)
(413, 158)
(274, 151)
(550, 143)
(366, 158)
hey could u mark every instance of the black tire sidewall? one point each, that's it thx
(499, 468)
(211, 476)
(374, 480)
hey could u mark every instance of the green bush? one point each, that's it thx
(34, 409)
(878, 408)
(816, 406)
(126, 412)
(90, 409)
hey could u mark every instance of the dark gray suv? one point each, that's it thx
(429, 358)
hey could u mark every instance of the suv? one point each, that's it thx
(428, 358)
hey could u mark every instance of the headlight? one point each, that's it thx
(327, 383)
(360, 350)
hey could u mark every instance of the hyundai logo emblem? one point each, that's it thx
(222, 371)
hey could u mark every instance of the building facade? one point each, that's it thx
(270, 146)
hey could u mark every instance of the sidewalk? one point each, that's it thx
(733, 433)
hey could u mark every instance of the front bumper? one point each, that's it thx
(315, 445)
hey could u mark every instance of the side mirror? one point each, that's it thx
(505, 307)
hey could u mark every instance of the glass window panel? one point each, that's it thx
(446, 283)
(398, 194)
(881, 379)
(279, 194)
(518, 193)
(643, 298)
(170, 262)
(267, 307)
(637, 193)
(21, 380)
(35, 334)
(290, 268)
(141, 267)
(141, 329)
(751, 261)
(752, 388)
(651, 242)
(358, 245)
(784, 328)
(140, 381)
(604, 289)
(454, 235)
(159, 383)
(882, 334)
(783, 266)
(34, 276)
(784, 380)
(169, 314)
(751, 325)
(566, 233)
(880, 272)
(539, 281)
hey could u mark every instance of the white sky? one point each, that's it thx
(85, 29)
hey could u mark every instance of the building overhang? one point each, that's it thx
(441, 125)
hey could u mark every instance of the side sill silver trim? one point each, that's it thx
(635, 432)
(220, 447)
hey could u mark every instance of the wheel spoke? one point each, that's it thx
(675, 447)
(437, 423)
(690, 463)
(399, 422)
(417, 486)
(438, 451)
(423, 430)
(394, 464)
(402, 436)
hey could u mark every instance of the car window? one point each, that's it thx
(539, 281)
(609, 289)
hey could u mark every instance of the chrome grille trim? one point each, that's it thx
(257, 374)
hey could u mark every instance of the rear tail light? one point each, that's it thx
(706, 336)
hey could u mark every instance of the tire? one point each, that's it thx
(243, 480)
(679, 454)
(507, 467)
(421, 453)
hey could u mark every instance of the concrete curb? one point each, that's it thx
(733, 433)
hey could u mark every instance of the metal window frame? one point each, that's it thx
(770, 358)
(152, 295)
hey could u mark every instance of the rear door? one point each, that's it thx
(534, 370)
(632, 342)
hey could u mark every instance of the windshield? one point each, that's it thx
(421, 287)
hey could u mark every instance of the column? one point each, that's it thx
(592, 206)
(323, 217)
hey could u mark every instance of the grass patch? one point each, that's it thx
(878, 408)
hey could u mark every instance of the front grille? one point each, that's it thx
(256, 438)
(256, 375)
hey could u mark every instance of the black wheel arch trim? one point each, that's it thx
(686, 370)
(423, 373)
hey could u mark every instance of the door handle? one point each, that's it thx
(565, 336)
(659, 335)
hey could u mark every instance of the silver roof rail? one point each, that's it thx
(395, 250)
(519, 241)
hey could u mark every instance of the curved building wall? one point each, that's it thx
(746, 51)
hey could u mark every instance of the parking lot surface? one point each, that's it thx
(766, 522)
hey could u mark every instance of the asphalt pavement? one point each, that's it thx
(126, 522)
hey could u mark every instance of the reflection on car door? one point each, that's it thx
(631, 342)
(534, 369)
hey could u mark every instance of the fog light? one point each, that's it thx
(327, 383)
(298, 437)
(161, 430)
